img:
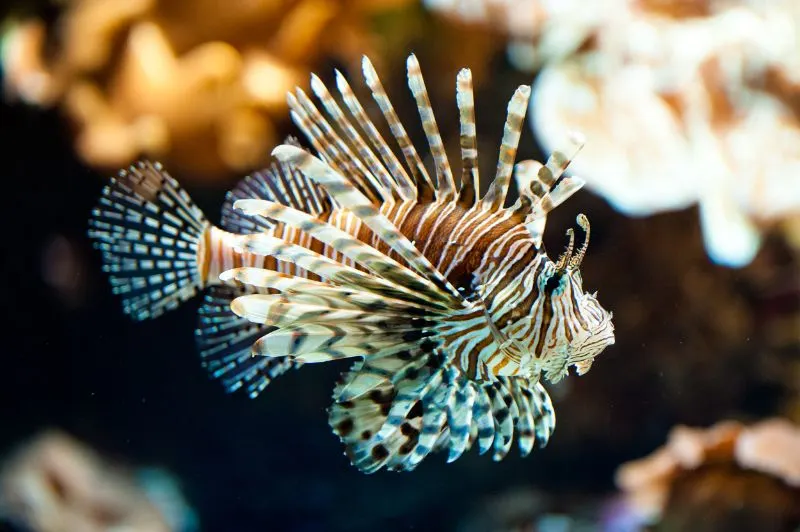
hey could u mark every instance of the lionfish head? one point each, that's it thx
(573, 328)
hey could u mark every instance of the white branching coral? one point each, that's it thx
(683, 106)
(537, 30)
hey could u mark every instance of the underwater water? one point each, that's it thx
(696, 343)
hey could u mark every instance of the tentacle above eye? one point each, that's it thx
(575, 261)
(565, 258)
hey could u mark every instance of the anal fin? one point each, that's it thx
(225, 343)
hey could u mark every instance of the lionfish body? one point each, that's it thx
(446, 300)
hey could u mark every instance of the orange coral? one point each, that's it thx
(729, 453)
(772, 447)
(200, 87)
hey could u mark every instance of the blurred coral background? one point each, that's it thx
(691, 111)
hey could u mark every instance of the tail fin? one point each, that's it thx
(150, 234)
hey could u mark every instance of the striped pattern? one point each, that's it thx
(446, 300)
(496, 195)
(469, 142)
(444, 176)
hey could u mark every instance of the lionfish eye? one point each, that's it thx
(553, 281)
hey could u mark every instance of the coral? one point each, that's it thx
(682, 102)
(772, 447)
(55, 484)
(686, 102)
(538, 30)
(202, 88)
(727, 477)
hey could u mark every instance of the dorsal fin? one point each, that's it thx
(347, 140)
(496, 195)
(446, 187)
(339, 154)
(424, 184)
(542, 188)
(557, 187)
(281, 183)
(368, 163)
(470, 179)
(405, 186)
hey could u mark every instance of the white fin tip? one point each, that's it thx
(576, 138)
(286, 153)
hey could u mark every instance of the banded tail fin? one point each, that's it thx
(150, 233)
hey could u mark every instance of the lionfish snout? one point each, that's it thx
(581, 351)
(599, 334)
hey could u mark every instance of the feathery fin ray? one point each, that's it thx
(352, 199)
(225, 343)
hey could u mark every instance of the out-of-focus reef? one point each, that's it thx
(728, 477)
(199, 87)
(524, 509)
(537, 31)
(683, 103)
(56, 484)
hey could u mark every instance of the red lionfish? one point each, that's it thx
(447, 300)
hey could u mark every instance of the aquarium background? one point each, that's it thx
(697, 342)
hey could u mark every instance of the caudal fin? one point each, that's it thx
(150, 233)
